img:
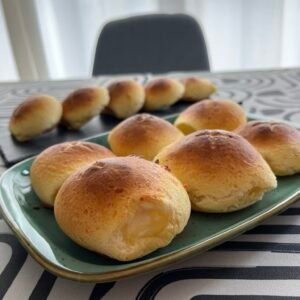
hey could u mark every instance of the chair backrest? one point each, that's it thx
(155, 43)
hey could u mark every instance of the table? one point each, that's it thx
(264, 263)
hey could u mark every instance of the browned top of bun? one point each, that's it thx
(193, 80)
(217, 150)
(119, 89)
(213, 114)
(84, 96)
(159, 86)
(74, 148)
(269, 133)
(162, 92)
(112, 187)
(140, 128)
(111, 173)
(30, 105)
(146, 124)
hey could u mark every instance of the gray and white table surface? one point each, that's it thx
(263, 263)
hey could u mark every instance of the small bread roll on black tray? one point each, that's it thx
(161, 93)
(82, 105)
(196, 89)
(34, 116)
(127, 97)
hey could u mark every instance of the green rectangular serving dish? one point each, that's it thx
(36, 229)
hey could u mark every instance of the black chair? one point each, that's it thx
(155, 43)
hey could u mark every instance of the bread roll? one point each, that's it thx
(162, 93)
(211, 114)
(53, 166)
(126, 98)
(34, 116)
(196, 89)
(82, 105)
(122, 207)
(277, 142)
(220, 170)
(143, 135)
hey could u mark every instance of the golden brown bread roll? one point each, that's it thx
(82, 105)
(162, 93)
(126, 98)
(197, 88)
(122, 207)
(277, 142)
(143, 135)
(211, 114)
(34, 116)
(55, 164)
(220, 170)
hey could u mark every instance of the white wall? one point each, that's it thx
(8, 69)
(241, 34)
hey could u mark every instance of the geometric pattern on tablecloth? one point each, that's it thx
(263, 263)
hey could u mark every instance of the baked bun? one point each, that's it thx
(34, 116)
(122, 207)
(277, 142)
(211, 114)
(82, 105)
(197, 89)
(220, 170)
(143, 135)
(162, 93)
(127, 97)
(55, 164)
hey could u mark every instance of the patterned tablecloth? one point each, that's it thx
(263, 263)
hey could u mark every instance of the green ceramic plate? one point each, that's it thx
(37, 230)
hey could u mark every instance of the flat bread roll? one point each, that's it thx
(211, 114)
(196, 89)
(36, 115)
(143, 135)
(277, 142)
(82, 105)
(161, 93)
(127, 97)
(220, 170)
(122, 207)
(55, 164)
